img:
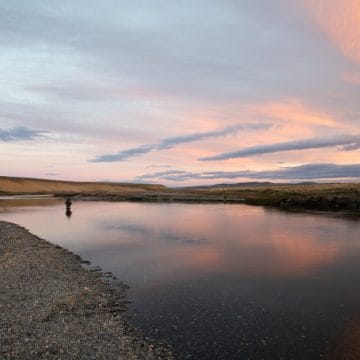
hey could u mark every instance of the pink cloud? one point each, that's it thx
(340, 21)
(292, 110)
(352, 78)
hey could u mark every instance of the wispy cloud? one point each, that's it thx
(158, 166)
(302, 172)
(165, 174)
(339, 20)
(20, 133)
(124, 155)
(348, 142)
(171, 142)
(352, 146)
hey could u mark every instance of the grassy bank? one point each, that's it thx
(314, 196)
(321, 197)
(16, 186)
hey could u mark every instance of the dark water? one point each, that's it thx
(220, 281)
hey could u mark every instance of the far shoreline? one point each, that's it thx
(303, 196)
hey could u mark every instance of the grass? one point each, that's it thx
(12, 186)
(275, 194)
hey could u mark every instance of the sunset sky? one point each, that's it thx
(180, 92)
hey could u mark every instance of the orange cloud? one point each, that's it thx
(340, 21)
(291, 118)
(352, 78)
(292, 110)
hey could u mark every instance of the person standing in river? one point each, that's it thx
(68, 204)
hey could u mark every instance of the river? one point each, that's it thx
(219, 281)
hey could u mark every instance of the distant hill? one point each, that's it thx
(15, 185)
(249, 184)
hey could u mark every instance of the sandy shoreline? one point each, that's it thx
(52, 307)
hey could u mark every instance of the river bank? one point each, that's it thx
(52, 307)
(295, 198)
(303, 196)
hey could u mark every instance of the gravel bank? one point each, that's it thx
(53, 308)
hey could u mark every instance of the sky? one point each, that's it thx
(182, 92)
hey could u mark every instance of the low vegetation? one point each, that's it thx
(326, 196)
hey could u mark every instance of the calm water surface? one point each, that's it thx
(220, 281)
